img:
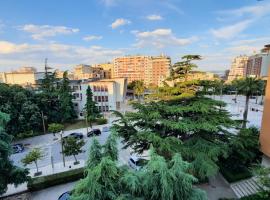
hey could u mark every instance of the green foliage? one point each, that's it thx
(55, 127)
(32, 157)
(110, 147)
(197, 127)
(235, 175)
(9, 173)
(101, 121)
(139, 89)
(73, 147)
(91, 109)
(262, 174)
(43, 182)
(95, 154)
(65, 97)
(21, 106)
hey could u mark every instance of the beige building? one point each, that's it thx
(197, 75)
(150, 69)
(24, 76)
(107, 69)
(238, 68)
(81, 72)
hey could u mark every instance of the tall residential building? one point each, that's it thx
(150, 69)
(258, 65)
(24, 76)
(238, 68)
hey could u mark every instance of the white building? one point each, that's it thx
(109, 94)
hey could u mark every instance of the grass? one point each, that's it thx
(75, 125)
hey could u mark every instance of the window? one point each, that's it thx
(95, 88)
(75, 87)
(76, 95)
(106, 99)
(107, 108)
(98, 88)
(106, 88)
(102, 98)
(102, 88)
(95, 98)
(99, 98)
(81, 114)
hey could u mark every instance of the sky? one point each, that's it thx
(70, 32)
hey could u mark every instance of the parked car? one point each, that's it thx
(75, 135)
(94, 132)
(137, 163)
(65, 196)
(105, 129)
(18, 148)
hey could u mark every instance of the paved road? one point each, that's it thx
(52, 148)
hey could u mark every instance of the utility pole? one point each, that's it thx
(62, 147)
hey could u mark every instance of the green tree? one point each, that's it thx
(262, 176)
(95, 154)
(197, 127)
(139, 89)
(110, 147)
(66, 106)
(32, 157)
(9, 173)
(73, 147)
(91, 109)
(55, 128)
(247, 87)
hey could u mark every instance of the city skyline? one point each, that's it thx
(98, 31)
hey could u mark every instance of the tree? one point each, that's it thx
(262, 176)
(139, 89)
(182, 68)
(55, 128)
(9, 173)
(32, 157)
(110, 147)
(95, 154)
(196, 127)
(73, 147)
(247, 87)
(66, 106)
(91, 109)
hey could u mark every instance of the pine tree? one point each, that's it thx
(91, 109)
(66, 106)
(95, 154)
(110, 147)
(9, 173)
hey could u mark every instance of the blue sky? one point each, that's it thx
(70, 32)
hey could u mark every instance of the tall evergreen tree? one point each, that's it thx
(110, 147)
(65, 97)
(95, 154)
(91, 109)
(9, 173)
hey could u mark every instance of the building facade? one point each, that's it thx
(258, 65)
(24, 76)
(238, 68)
(109, 94)
(150, 69)
(83, 72)
(107, 69)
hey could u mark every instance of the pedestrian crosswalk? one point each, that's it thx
(245, 187)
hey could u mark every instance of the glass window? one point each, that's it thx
(99, 98)
(106, 99)
(95, 98)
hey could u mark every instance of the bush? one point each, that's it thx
(257, 196)
(232, 176)
(26, 135)
(101, 121)
(43, 182)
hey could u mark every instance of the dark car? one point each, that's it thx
(75, 135)
(65, 196)
(18, 148)
(94, 132)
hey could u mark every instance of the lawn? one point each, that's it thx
(75, 125)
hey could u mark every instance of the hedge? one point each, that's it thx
(232, 176)
(43, 182)
(101, 121)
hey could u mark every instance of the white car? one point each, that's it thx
(137, 163)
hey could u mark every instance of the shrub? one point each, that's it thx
(101, 121)
(43, 182)
(232, 176)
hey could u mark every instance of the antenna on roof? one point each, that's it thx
(46, 67)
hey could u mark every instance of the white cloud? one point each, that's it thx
(230, 31)
(160, 38)
(92, 37)
(154, 17)
(120, 22)
(59, 54)
(40, 32)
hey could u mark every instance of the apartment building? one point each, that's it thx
(82, 72)
(258, 65)
(109, 94)
(107, 69)
(150, 69)
(24, 76)
(238, 68)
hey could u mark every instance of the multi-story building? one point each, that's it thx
(82, 72)
(150, 69)
(107, 69)
(24, 76)
(109, 94)
(238, 68)
(258, 65)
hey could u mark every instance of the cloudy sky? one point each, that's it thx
(70, 32)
